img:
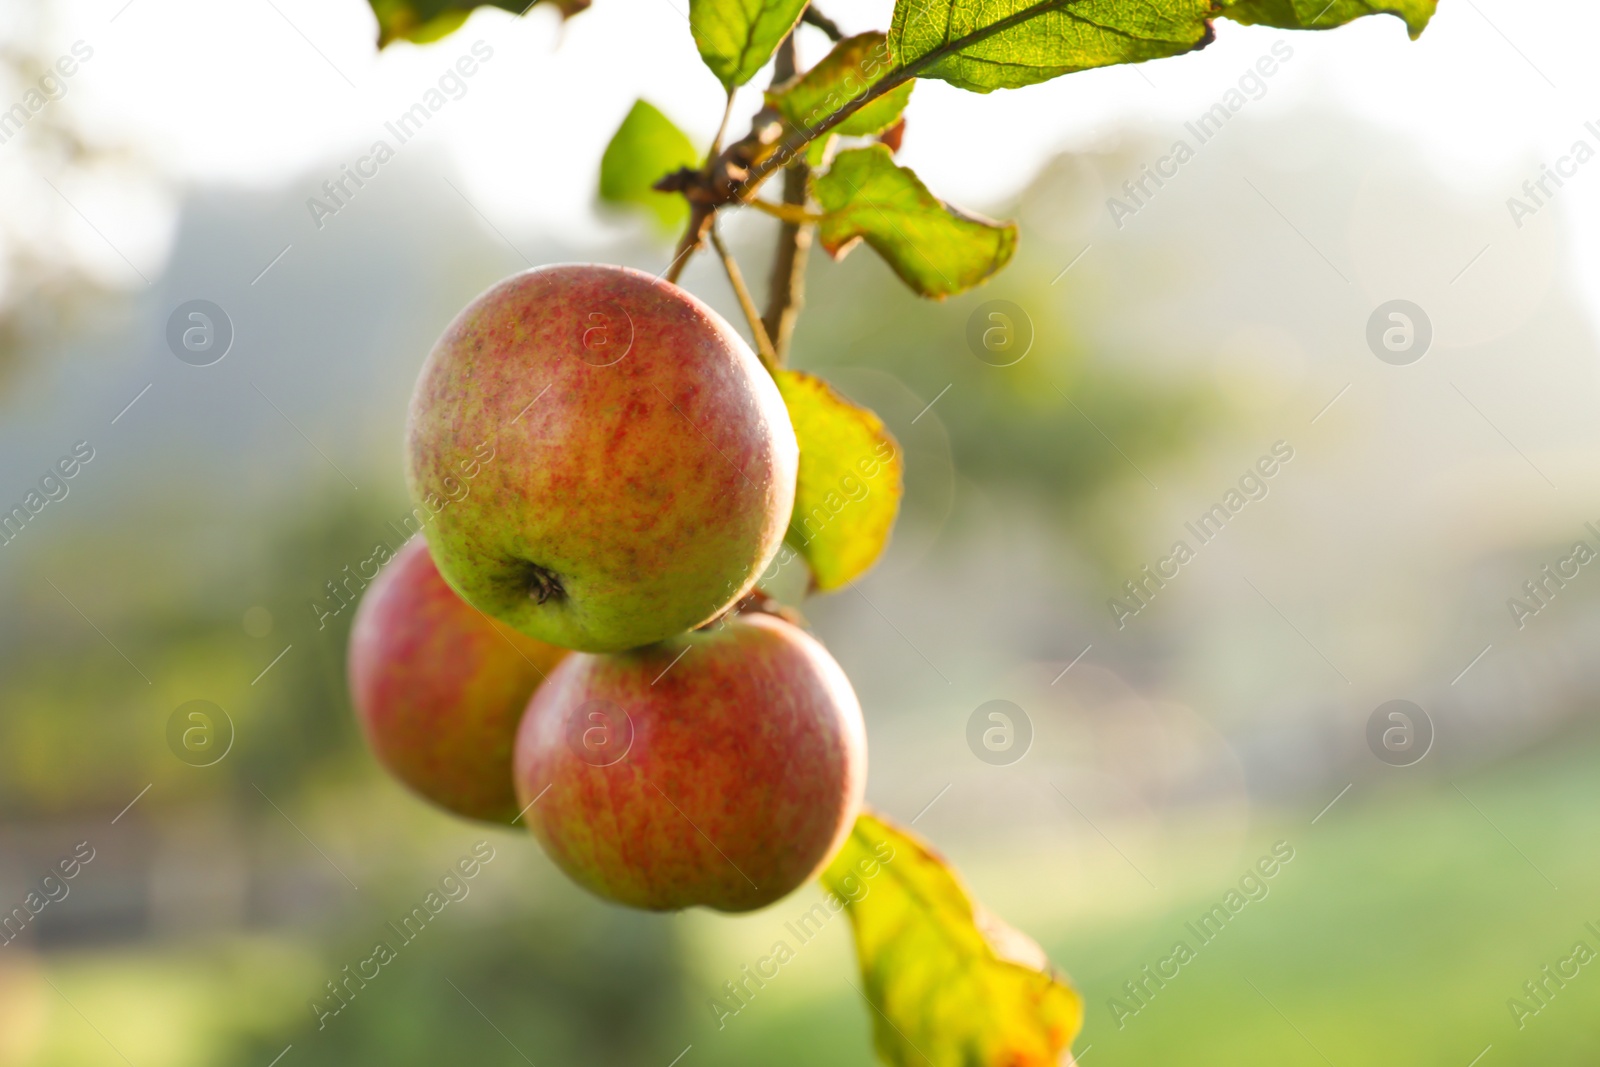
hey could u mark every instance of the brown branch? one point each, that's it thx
(736, 174)
(783, 60)
(812, 17)
(794, 143)
(786, 284)
(785, 212)
(716, 142)
(746, 302)
(700, 219)
(786, 288)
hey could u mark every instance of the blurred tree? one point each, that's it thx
(56, 268)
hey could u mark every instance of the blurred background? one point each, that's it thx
(1162, 745)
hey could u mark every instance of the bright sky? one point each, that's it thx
(262, 92)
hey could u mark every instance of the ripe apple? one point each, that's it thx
(605, 461)
(439, 688)
(722, 768)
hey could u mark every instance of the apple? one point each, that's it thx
(439, 688)
(603, 460)
(722, 768)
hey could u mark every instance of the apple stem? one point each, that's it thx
(758, 329)
(699, 221)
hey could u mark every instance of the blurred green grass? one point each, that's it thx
(1396, 935)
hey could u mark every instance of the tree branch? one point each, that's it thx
(746, 303)
(700, 219)
(716, 142)
(787, 287)
(787, 282)
(812, 17)
(736, 174)
(792, 211)
(796, 140)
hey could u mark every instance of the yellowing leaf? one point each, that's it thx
(1041, 39)
(845, 73)
(428, 20)
(1323, 15)
(645, 148)
(737, 37)
(950, 985)
(849, 489)
(935, 249)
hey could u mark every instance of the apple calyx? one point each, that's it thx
(543, 584)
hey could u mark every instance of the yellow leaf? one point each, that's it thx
(950, 985)
(849, 488)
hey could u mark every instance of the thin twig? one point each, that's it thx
(792, 146)
(746, 303)
(795, 142)
(784, 61)
(787, 282)
(716, 142)
(787, 287)
(812, 17)
(689, 243)
(789, 212)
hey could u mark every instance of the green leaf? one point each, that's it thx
(1322, 15)
(428, 20)
(645, 148)
(845, 73)
(1041, 39)
(737, 37)
(817, 151)
(849, 489)
(951, 985)
(935, 249)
